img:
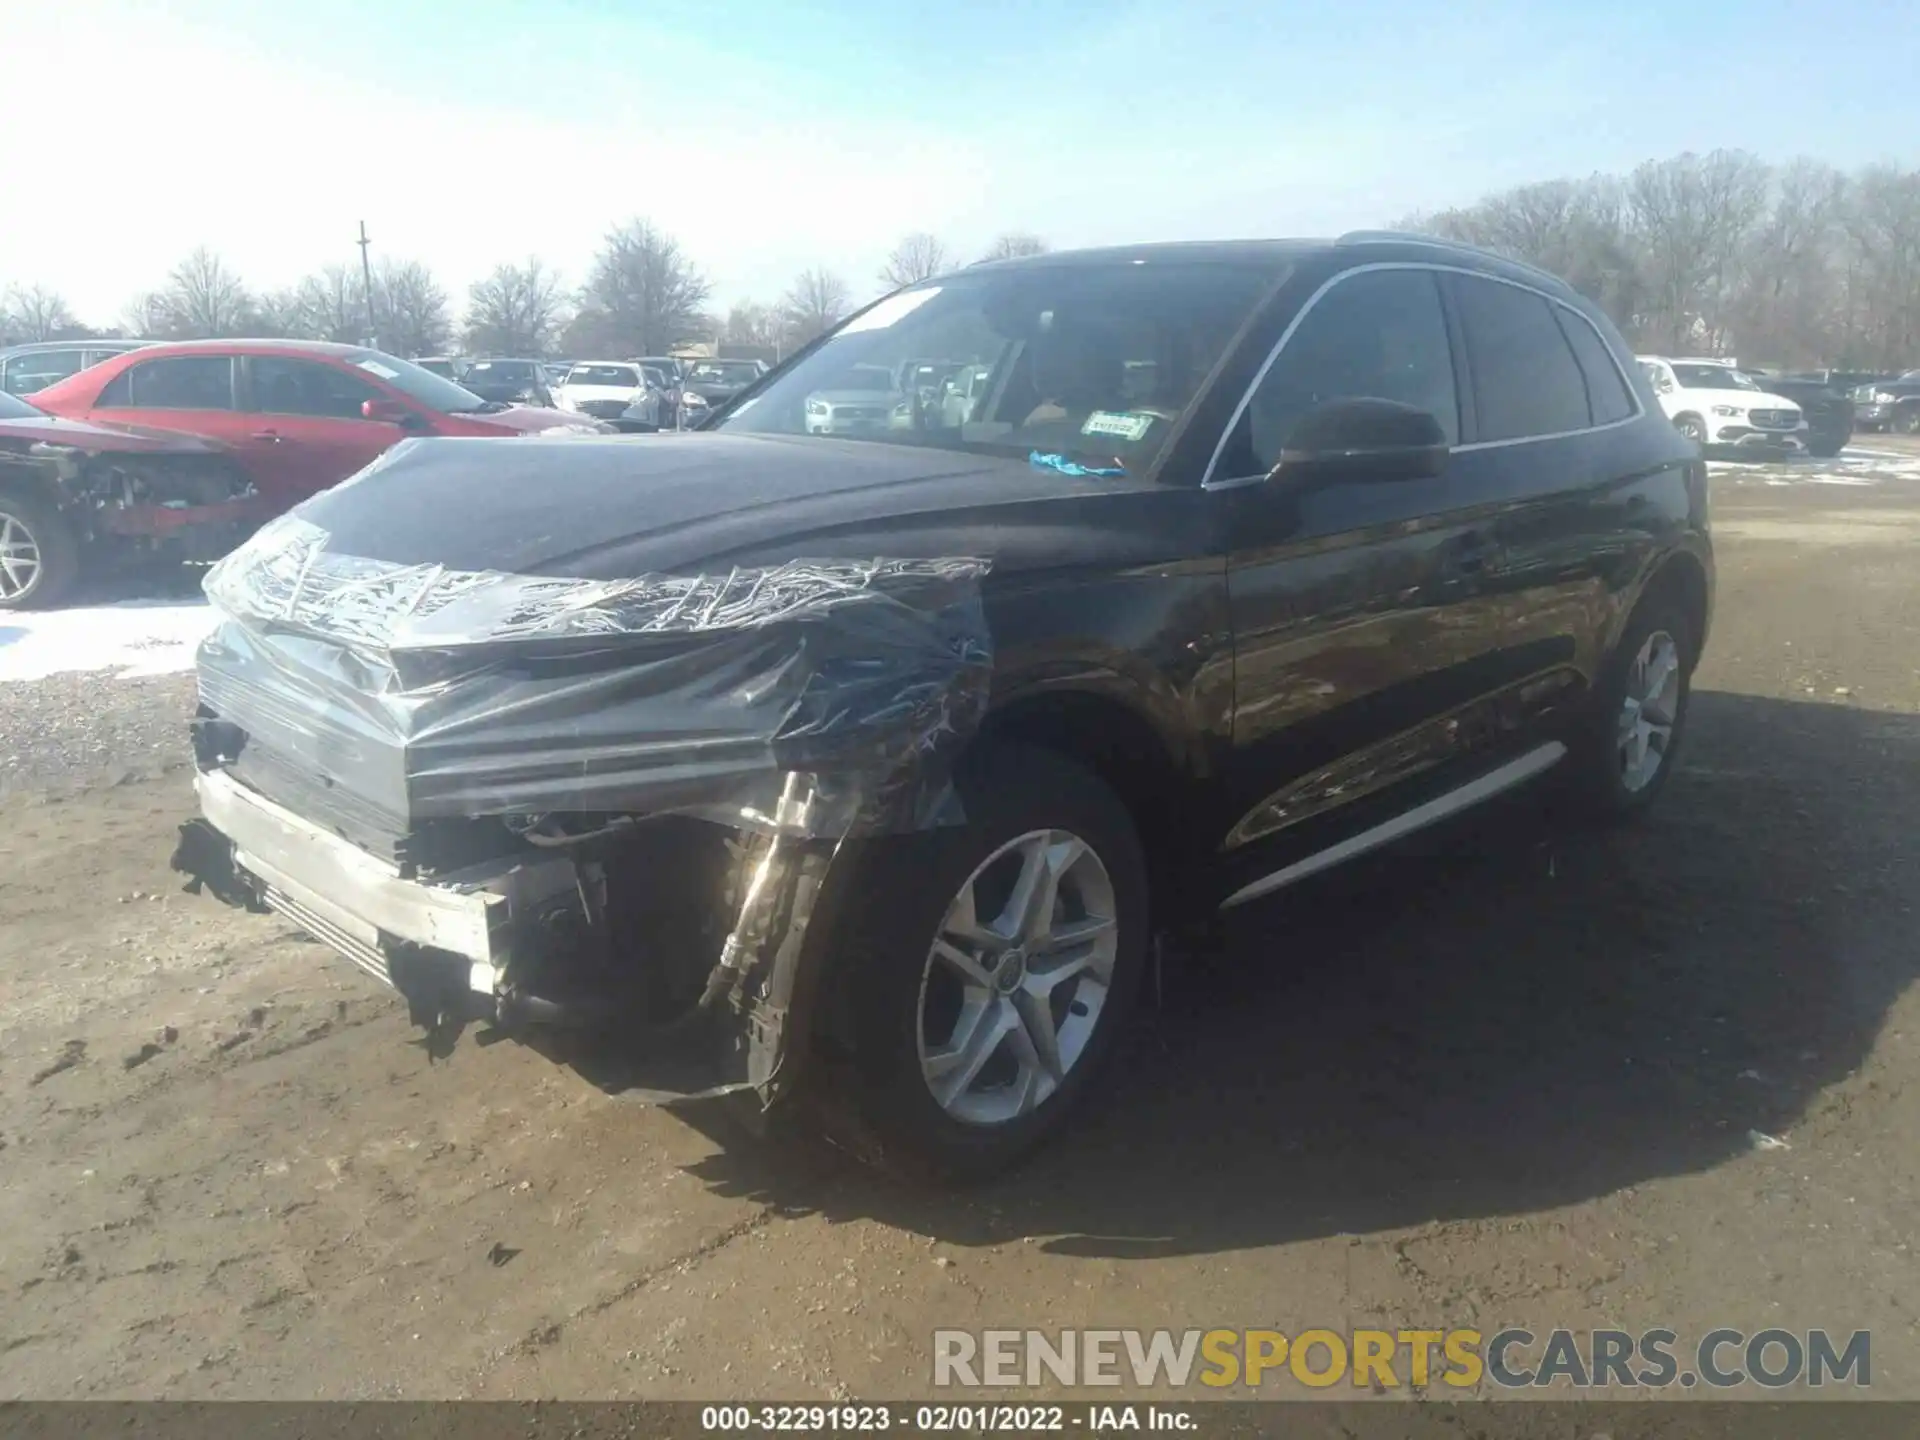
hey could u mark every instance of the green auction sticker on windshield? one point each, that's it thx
(1118, 424)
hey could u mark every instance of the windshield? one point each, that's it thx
(431, 390)
(1712, 377)
(623, 376)
(723, 372)
(499, 372)
(442, 368)
(12, 407)
(1094, 361)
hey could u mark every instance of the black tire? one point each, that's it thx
(1827, 449)
(1595, 768)
(1692, 427)
(901, 889)
(1907, 422)
(57, 547)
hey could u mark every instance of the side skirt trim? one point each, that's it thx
(1513, 773)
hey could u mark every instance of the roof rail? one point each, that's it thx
(1440, 242)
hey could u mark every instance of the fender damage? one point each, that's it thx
(555, 803)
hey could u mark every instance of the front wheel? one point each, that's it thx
(991, 966)
(39, 553)
(1691, 427)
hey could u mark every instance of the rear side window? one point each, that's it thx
(1526, 382)
(173, 382)
(1377, 334)
(1607, 393)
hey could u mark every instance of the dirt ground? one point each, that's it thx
(1510, 1078)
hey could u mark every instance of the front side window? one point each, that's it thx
(38, 369)
(1526, 381)
(301, 387)
(1378, 335)
(1092, 361)
(173, 382)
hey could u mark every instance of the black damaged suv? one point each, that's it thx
(855, 775)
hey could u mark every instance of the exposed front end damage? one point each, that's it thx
(552, 803)
(186, 501)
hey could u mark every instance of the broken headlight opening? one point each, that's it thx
(561, 804)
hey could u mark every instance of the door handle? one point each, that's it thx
(272, 437)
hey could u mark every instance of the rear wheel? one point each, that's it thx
(1627, 750)
(992, 968)
(39, 553)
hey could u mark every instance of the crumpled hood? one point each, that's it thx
(85, 435)
(525, 418)
(616, 506)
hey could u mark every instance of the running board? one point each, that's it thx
(1386, 832)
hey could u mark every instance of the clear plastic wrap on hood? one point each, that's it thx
(424, 693)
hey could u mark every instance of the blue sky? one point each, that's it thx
(772, 136)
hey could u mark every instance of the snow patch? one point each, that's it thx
(134, 639)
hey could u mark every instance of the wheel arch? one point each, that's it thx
(1682, 576)
(1098, 723)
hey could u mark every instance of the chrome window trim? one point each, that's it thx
(1207, 480)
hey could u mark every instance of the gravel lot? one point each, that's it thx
(1522, 1090)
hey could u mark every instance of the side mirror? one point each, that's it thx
(388, 412)
(1362, 441)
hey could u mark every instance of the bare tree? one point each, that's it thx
(145, 317)
(814, 305)
(328, 306)
(1694, 216)
(515, 311)
(751, 323)
(1788, 303)
(34, 312)
(649, 290)
(1880, 216)
(203, 299)
(917, 257)
(276, 315)
(410, 309)
(1015, 244)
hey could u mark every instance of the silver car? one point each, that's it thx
(866, 401)
(650, 409)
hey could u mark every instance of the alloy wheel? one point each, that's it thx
(1649, 710)
(1017, 979)
(19, 558)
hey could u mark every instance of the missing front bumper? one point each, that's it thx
(543, 943)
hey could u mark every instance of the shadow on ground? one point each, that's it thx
(1514, 1016)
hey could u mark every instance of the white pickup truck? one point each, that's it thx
(1714, 403)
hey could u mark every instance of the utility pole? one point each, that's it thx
(366, 279)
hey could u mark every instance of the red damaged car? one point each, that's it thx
(276, 420)
(73, 491)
